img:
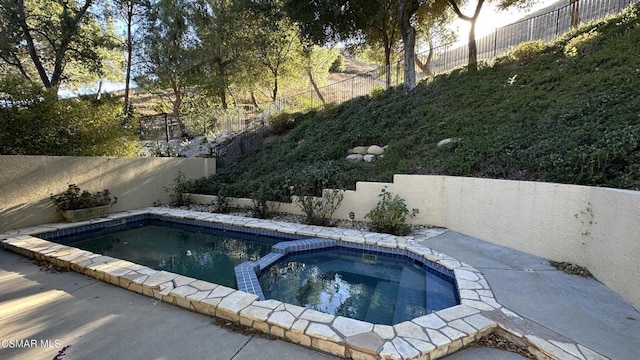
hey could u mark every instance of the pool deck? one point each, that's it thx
(557, 315)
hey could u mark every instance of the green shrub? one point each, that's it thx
(378, 93)
(74, 198)
(526, 51)
(222, 202)
(281, 123)
(390, 215)
(319, 210)
(263, 207)
(581, 44)
(338, 65)
(33, 121)
(180, 187)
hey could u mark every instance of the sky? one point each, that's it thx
(491, 18)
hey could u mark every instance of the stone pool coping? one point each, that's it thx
(426, 337)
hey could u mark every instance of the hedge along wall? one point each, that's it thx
(594, 227)
(26, 182)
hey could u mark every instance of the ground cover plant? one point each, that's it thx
(563, 112)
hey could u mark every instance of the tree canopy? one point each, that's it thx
(46, 40)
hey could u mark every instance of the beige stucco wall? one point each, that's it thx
(594, 227)
(27, 181)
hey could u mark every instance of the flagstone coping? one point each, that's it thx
(427, 337)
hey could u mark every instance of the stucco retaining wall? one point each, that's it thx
(26, 182)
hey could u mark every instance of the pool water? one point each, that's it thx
(376, 288)
(200, 253)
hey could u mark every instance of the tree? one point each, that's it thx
(111, 57)
(406, 10)
(316, 62)
(356, 23)
(223, 31)
(168, 52)
(40, 38)
(275, 41)
(435, 30)
(378, 24)
(131, 12)
(410, 13)
(501, 4)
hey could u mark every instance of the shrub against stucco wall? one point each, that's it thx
(27, 181)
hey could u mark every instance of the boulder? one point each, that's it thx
(360, 150)
(375, 150)
(355, 157)
(447, 141)
(369, 158)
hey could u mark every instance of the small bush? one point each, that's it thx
(181, 186)
(318, 211)
(378, 93)
(75, 198)
(262, 207)
(582, 44)
(337, 65)
(281, 123)
(390, 215)
(526, 51)
(222, 202)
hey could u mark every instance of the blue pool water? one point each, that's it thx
(202, 253)
(376, 288)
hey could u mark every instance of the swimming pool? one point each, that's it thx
(373, 286)
(435, 334)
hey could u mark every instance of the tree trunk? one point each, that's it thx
(177, 102)
(254, 101)
(31, 46)
(99, 92)
(274, 94)
(315, 86)
(222, 89)
(387, 62)
(222, 94)
(406, 10)
(424, 67)
(473, 49)
(575, 13)
(127, 106)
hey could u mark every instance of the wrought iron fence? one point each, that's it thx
(545, 27)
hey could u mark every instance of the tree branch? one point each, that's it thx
(22, 19)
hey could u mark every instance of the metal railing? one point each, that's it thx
(544, 27)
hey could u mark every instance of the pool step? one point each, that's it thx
(381, 301)
(411, 300)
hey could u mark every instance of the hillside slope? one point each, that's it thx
(566, 112)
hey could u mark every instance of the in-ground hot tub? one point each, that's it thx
(373, 284)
